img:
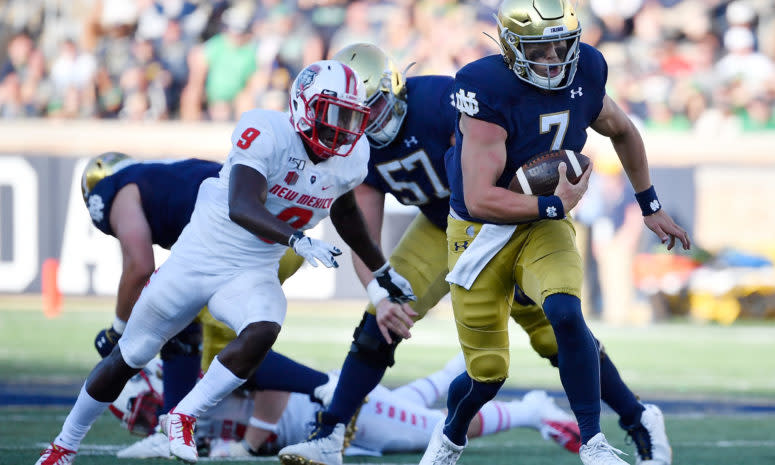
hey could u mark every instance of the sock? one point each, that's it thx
(426, 391)
(216, 384)
(617, 395)
(84, 413)
(578, 360)
(357, 379)
(498, 416)
(279, 373)
(179, 376)
(466, 396)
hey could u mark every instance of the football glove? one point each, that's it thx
(105, 341)
(391, 285)
(314, 250)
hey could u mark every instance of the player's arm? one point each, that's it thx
(131, 228)
(371, 203)
(483, 160)
(613, 123)
(247, 199)
(384, 283)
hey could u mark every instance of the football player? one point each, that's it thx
(541, 93)
(411, 127)
(282, 176)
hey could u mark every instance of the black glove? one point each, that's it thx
(105, 341)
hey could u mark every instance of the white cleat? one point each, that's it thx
(179, 429)
(651, 444)
(597, 451)
(223, 448)
(56, 455)
(326, 450)
(441, 451)
(154, 446)
(325, 392)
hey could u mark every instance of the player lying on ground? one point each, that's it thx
(391, 421)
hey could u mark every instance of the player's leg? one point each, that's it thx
(253, 304)
(549, 270)
(481, 316)
(648, 435)
(420, 257)
(164, 308)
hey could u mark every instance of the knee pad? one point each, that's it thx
(564, 312)
(369, 345)
(186, 343)
(488, 366)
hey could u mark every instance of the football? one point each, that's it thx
(539, 175)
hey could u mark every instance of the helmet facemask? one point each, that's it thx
(334, 125)
(387, 114)
(549, 76)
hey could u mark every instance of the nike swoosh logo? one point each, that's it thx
(325, 187)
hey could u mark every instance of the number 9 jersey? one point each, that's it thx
(298, 190)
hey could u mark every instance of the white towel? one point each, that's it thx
(489, 241)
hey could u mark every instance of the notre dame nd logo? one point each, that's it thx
(461, 246)
(465, 102)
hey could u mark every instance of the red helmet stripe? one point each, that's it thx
(349, 77)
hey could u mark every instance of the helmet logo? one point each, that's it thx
(307, 77)
(96, 206)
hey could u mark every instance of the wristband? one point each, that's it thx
(294, 238)
(376, 292)
(258, 423)
(648, 201)
(119, 325)
(550, 208)
(382, 269)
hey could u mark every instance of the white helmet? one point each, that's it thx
(327, 108)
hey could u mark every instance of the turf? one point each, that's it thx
(707, 378)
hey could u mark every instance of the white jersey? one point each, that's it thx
(298, 191)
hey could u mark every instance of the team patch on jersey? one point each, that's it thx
(312, 179)
(297, 162)
(291, 178)
(96, 207)
(465, 102)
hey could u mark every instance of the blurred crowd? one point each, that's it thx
(702, 65)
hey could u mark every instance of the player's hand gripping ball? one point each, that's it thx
(539, 176)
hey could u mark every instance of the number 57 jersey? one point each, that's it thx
(299, 192)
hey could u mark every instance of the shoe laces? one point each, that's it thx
(320, 430)
(184, 427)
(603, 448)
(641, 437)
(56, 453)
(446, 455)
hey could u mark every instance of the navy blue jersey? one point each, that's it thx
(168, 192)
(535, 120)
(412, 166)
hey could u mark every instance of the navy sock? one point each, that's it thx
(279, 373)
(359, 376)
(179, 375)
(466, 396)
(616, 394)
(578, 360)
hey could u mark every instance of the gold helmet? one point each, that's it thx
(524, 23)
(385, 90)
(99, 168)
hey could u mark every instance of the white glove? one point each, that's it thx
(314, 250)
(387, 284)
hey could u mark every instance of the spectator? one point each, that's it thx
(20, 78)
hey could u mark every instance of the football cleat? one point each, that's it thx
(326, 450)
(154, 446)
(223, 448)
(554, 423)
(56, 455)
(597, 451)
(179, 429)
(650, 438)
(441, 451)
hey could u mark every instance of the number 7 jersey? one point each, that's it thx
(299, 191)
(535, 120)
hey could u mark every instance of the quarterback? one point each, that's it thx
(541, 93)
(411, 127)
(282, 176)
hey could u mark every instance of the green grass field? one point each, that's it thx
(712, 380)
